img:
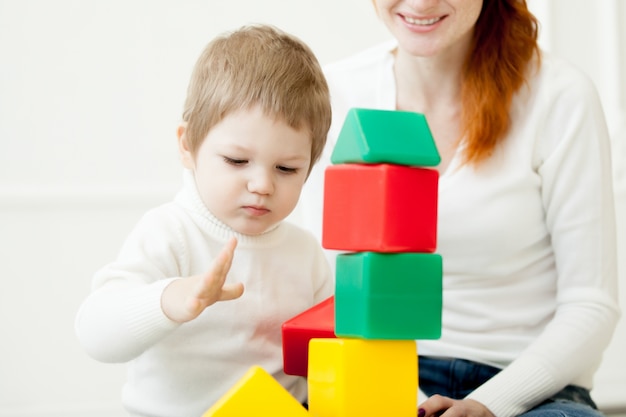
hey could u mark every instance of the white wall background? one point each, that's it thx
(90, 96)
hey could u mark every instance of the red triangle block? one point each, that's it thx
(317, 322)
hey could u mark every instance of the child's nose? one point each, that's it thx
(261, 182)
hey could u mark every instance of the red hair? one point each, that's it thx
(505, 42)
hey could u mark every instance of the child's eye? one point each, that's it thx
(286, 170)
(235, 161)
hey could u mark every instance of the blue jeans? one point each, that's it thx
(456, 378)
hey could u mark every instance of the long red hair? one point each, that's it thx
(505, 42)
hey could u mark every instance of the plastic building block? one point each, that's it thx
(257, 393)
(316, 322)
(388, 295)
(380, 208)
(364, 378)
(385, 136)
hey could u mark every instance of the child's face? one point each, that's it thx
(250, 170)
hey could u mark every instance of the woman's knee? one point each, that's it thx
(563, 408)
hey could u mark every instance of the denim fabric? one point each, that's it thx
(456, 378)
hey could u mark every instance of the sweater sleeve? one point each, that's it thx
(122, 317)
(573, 160)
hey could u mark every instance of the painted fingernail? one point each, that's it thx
(421, 412)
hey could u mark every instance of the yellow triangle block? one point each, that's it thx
(258, 394)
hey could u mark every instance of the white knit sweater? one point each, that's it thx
(181, 370)
(527, 239)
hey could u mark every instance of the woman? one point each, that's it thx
(526, 222)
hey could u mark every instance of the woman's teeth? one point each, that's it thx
(422, 22)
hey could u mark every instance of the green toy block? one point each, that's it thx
(394, 296)
(372, 136)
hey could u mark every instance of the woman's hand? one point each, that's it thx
(184, 299)
(438, 405)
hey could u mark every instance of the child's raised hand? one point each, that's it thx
(184, 299)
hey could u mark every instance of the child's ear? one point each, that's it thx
(186, 156)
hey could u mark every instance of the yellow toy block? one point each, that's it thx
(257, 393)
(358, 377)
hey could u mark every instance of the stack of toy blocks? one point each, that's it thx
(380, 206)
(358, 348)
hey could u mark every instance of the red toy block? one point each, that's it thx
(380, 208)
(317, 322)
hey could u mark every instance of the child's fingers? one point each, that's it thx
(231, 291)
(211, 287)
(229, 251)
(224, 259)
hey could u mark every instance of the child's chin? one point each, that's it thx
(252, 228)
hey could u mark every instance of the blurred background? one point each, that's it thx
(91, 93)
